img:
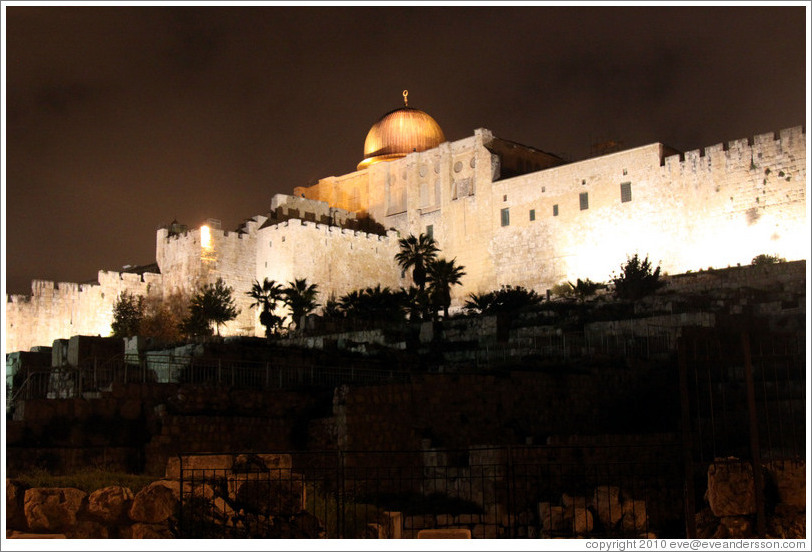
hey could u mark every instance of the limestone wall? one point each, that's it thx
(58, 310)
(337, 260)
(189, 261)
(718, 206)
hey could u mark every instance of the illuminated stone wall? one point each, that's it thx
(60, 310)
(337, 260)
(714, 207)
(188, 261)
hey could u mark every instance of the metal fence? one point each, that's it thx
(495, 492)
(743, 401)
(97, 375)
(655, 343)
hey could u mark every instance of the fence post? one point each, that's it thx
(340, 495)
(755, 449)
(509, 494)
(687, 454)
(180, 506)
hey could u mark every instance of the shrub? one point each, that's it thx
(636, 279)
(128, 311)
(765, 259)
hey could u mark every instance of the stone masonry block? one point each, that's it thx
(731, 488)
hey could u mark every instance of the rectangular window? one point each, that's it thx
(532, 214)
(625, 192)
(584, 201)
(430, 231)
(555, 210)
(505, 217)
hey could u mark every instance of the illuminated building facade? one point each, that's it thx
(510, 214)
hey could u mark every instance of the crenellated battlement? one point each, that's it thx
(194, 234)
(330, 230)
(747, 149)
(543, 223)
(60, 309)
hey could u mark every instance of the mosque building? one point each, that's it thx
(509, 213)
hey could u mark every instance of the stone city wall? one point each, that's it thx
(716, 208)
(188, 262)
(58, 310)
(336, 259)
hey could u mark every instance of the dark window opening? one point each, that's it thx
(505, 217)
(584, 197)
(555, 210)
(532, 214)
(625, 192)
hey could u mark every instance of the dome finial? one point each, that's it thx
(406, 98)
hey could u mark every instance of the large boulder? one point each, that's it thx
(606, 502)
(15, 512)
(269, 496)
(153, 504)
(552, 518)
(634, 519)
(731, 488)
(149, 531)
(52, 510)
(88, 529)
(582, 521)
(789, 480)
(110, 504)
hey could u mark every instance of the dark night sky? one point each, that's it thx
(120, 119)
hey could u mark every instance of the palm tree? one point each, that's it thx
(332, 309)
(266, 295)
(480, 303)
(413, 301)
(443, 274)
(416, 253)
(300, 299)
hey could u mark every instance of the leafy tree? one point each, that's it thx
(765, 259)
(636, 279)
(443, 274)
(507, 300)
(585, 288)
(128, 312)
(374, 305)
(416, 253)
(195, 324)
(163, 317)
(563, 289)
(300, 297)
(266, 295)
(213, 303)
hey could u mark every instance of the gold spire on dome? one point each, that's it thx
(399, 133)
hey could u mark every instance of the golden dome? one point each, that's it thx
(399, 133)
